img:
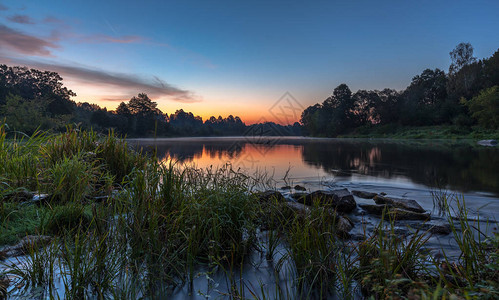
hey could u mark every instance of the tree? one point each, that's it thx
(485, 107)
(461, 56)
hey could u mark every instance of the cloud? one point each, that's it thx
(19, 42)
(21, 19)
(52, 20)
(155, 87)
(3, 7)
(102, 38)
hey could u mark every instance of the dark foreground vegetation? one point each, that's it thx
(110, 222)
(464, 101)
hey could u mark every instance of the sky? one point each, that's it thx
(260, 60)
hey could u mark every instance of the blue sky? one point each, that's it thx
(235, 57)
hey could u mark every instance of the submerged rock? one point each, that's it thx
(286, 187)
(403, 214)
(300, 188)
(435, 228)
(406, 204)
(365, 195)
(341, 200)
(270, 196)
(25, 244)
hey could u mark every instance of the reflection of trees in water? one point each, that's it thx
(460, 166)
(184, 152)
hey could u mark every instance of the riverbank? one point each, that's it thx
(423, 132)
(105, 220)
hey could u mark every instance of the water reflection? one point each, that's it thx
(457, 165)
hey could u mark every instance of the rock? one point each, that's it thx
(365, 195)
(270, 196)
(434, 228)
(286, 187)
(19, 196)
(406, 204)
(374, 209)
(299, 208)
(341, 200)
(403, 214)
(41, 198)
(382, 194)
(25, 244)
(297, 196)
(490, 143)
(343, 226)
(300, 188)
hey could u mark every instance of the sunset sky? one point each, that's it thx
(238, 57)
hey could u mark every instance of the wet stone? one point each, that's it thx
(364, 194)
(341, 200)
(406, 204)
(270, 196)
(300, 188)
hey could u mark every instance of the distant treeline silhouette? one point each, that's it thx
(31, 99)
(466, 96)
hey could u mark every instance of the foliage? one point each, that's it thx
(485, 107)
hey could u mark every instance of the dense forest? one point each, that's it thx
(31, 99)
(466, 98)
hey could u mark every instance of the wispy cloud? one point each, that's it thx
(128, 83)
(102, 38)
(19, 42)
(53, 20)
(21, 19)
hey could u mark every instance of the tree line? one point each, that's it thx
(464, 97)
(31, 99)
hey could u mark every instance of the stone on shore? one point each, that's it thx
(300, 188)
(403, 214)
(364, 194)
(270, 196)
(341, 200)
(406, 204)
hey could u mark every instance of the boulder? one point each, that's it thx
(270, 196)
(343, 226)
(373, 209)
(341, 200)
(286, 187)
(300, 188)
(403, 214)
(435, 228)
(365, 195)
(299, 208)
(25, 244)
(406, 204)
(298, 196)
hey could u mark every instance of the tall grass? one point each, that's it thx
(154, 226)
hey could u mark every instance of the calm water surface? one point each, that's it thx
(409, 168)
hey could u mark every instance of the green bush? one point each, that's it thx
(485, 107)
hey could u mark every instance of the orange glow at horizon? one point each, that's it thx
(250, 112)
